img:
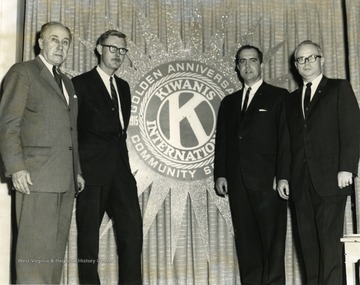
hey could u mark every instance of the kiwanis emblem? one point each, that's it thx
(173, 118)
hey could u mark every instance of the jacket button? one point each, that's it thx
(70, 148)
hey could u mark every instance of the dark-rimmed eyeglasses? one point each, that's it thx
(114, 49)
(310, 59)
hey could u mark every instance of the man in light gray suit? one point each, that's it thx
(38, 144)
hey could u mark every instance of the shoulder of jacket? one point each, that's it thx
(83, 76)
(119, 79)
(337, 81)
(25, 68)
(234, 95)
(278, 90)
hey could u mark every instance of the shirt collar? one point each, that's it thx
(48, 65)
(255, 86)
(315, 82)
(105, 77)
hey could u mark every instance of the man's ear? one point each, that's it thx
(99, 49)
(40, 42)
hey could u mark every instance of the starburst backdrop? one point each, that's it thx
(188, 228)
(182, 192)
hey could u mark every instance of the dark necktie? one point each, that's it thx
(57, 77)
(243, 110)
(113, 94)
(114, 98)
(307, 98)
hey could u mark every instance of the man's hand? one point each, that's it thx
(344, 179)
(21, 181)
(221, 186)
(283, 189)
(80, 182)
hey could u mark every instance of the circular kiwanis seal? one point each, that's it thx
(173, 118)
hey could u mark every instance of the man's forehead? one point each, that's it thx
(57, 31)
(115, 40)
(308, 48)
(248, 53)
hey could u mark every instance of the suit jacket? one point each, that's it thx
(251, 144)
(38, 128)
(101, 140)
(327, 140)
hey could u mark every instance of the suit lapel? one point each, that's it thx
(124, 102)
(105, 96)
(319, 93)
(252, 106)
(299, 103)
(49, 78)
(69, 89)
(237, 114)
(100, 86)
(256, 99)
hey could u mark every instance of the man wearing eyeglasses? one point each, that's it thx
(323, 121)
(104, 112)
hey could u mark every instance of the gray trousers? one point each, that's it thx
(43, 221)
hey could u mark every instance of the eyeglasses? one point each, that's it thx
(114, 49)
(311, 59)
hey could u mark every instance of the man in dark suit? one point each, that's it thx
(38, 143)
(104, 113)
(323, 121)
(248, 158)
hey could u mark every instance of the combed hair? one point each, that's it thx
(259, 52)
(109, 33)
(308, 42)
(46, 26)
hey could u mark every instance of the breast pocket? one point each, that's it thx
(264, 117)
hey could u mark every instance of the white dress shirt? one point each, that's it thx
(314, 85)
(50, 66)
(254, 89)
(106, 79)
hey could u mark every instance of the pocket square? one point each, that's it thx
(75, 97)
(262, 110)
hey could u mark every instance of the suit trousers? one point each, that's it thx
(120, 201)
(259, 219)
(43, 221)
(320, 223)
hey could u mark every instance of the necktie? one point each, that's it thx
(114, 98)
(243, 110)
(57, 78)
(113, 94)
(307, 98)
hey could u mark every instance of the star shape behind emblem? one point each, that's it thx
(181, 194)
